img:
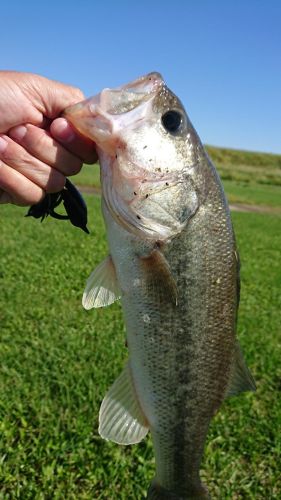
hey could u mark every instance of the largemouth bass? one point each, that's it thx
(174, 263)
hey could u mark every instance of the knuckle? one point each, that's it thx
(14, 154)
(35, 198)
(30, 196)
(38, 139)
(6, 153)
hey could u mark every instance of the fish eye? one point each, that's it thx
(171, 121)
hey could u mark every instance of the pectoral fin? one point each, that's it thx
(102, 286)
(241, 379)
(121, 419)
(158, 279)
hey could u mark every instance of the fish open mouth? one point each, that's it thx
(125, 124)
(100, 117)
(129, 96)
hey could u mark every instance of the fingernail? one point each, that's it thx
(3, 144)
(18, 132)
(64, 130)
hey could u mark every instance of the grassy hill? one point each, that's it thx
(246, 166)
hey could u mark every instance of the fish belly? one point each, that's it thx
(180, 354)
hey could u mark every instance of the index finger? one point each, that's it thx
(84, 148)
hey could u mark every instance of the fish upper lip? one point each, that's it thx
(140, 90)
(145, 84)
(100, 117)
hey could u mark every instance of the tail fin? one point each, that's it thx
(156, 492)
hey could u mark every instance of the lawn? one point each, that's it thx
(57, 361)
(253, 194)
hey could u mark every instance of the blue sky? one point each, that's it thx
(222, 58)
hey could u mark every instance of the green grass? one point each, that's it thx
(253, 194)
(88, 176)
(57, 361)
(247, 166)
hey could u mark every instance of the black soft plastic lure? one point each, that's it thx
(74, 204)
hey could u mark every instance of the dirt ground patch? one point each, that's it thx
(236, 207)
(261, 209)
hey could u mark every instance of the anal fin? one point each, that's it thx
(121, 419)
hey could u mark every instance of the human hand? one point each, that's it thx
(38, 149)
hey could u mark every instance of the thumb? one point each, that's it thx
(53, 97)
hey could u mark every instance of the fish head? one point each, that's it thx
(148, 150)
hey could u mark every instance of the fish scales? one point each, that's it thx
(180, 383)
(173, 261)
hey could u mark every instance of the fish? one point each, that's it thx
(173, 262)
